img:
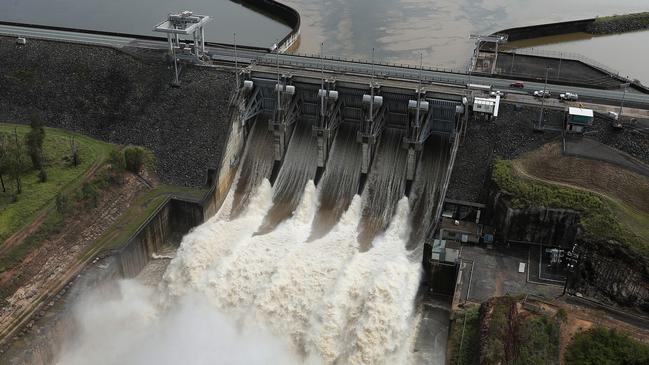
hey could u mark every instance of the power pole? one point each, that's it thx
(545, 88)
(372, 88)
(322, 96)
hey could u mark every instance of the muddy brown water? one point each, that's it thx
(397, 30)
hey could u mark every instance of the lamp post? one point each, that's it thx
(173, 54)
(279, 102)
(626, 86)
(236, 62)
(322, 96)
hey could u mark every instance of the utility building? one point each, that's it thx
(486, 108)
(577, 119)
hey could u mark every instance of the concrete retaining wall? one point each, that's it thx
(545, 30)
(284, 14)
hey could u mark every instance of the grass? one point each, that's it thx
(539, 341)
(643, 16)
(602, 218)
(37, 196)
(619, 23)
(468, 334)
(141, 209)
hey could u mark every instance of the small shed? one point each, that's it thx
(486, 107)
(578, 118)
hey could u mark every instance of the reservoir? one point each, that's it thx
(140, 16)
(398, 30)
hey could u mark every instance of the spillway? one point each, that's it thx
(340, 181)
(385, 186)
(297, 168)
(256, 165)
(424, 195)
(288, 273)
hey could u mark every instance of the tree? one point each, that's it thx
(134, 158)
(4, 159)
(34, 141)
(74, 151)
(15, 161)
(602, 346)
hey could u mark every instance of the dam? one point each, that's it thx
(317, 249)
(313, 242)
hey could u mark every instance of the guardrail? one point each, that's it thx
(344, 67)
(380, 63)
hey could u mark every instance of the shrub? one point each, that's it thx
(42, 175)
(34, 141)
(63, 204)
(91, 193)
(134, 158)
(539, 341)
(601, 346)
(116, 159)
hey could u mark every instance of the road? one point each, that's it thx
(246, 55)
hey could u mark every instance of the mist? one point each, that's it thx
(134, 328)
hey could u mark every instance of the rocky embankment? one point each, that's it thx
(619, 24)
(120, 98)
(511, 135)
(634, 141)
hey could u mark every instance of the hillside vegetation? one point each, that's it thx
(603, 219)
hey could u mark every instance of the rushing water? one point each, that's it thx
(340, 181)
(286, 296)
(257, 164)
(385, 185)
(425, 191)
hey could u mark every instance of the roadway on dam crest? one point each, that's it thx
(224, 53)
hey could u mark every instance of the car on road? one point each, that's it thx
(568, 96)
(542, 94)
(497, 93)
(517, 85)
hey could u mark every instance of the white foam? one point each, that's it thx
(324, 301)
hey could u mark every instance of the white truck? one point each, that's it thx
(568, 96)
(542, 94)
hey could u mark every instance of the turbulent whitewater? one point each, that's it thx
(295, 294)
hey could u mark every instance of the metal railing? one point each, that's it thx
(348, 66)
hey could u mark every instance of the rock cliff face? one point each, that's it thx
(557, 227)
(120, 98)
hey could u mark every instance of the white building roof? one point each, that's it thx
(580, 112)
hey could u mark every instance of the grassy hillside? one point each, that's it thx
(19, 210)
